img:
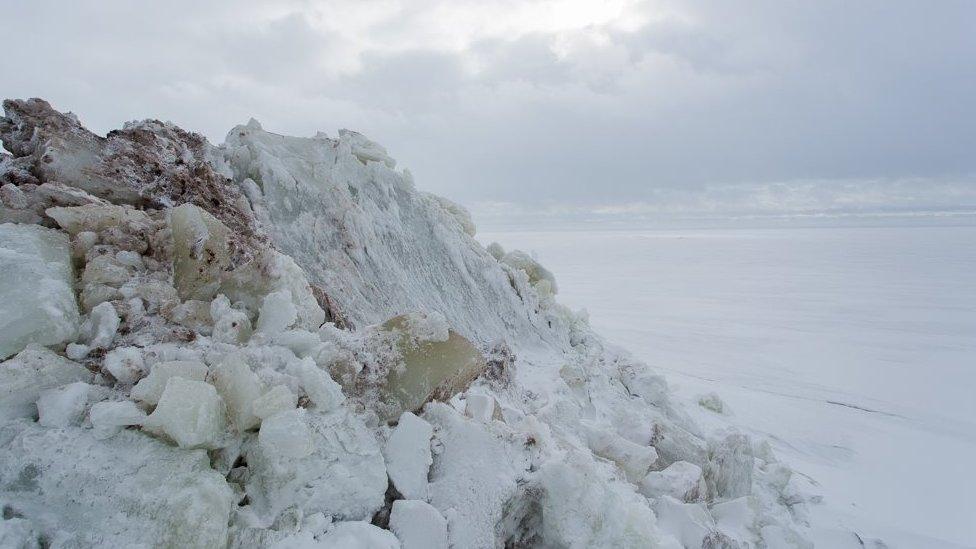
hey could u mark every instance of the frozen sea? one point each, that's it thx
(852, 349)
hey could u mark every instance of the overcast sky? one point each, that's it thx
(617, 104)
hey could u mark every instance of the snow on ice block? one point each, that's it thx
(63, 406)
(128, 491)
(344, 475)
(357, 535)
(190, 413)
(239, 387)
(108, 418)
(418, 525)
(286, 434)
(201, 254)
(474, 476)
(37, 298)
(428, 370)
(408, 457)
(25, 376)
(151, 387)
(278, 399)
(681, 480)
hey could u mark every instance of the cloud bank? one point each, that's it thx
(557, 103)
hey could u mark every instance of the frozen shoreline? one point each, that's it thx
(851, 348)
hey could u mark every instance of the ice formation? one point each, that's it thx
(280, 342)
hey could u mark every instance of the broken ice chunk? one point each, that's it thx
(680, 480)
(427, 370)
(125, 364)
(690, 523)
(230, 325)
(728, 469)
(96, 217)
(201, 254)
(364, 149)
(324, 392)
(63, 406)
(150, 388)
(539, 276)
(277, 313)
(286, 434)
(278, 399)
(25, 376)
(99, 329)
(239, 387)
(344, 476)
(408, 457)
(479, 407)
(190, 413)
(713, 402)
(37, 298)
(634, 459)
(418, 525)
(108, 418)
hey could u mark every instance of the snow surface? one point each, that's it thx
(850, 350)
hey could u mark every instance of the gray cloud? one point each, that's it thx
(524, 102)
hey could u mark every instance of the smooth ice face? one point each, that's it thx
(150, 388)
(408, 457)
(200, 252)
(25, 376)
(427, 370)
(418, 525)
(190, 413)
(286, 434)
(37, 299)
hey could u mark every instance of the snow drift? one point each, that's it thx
(280, 342)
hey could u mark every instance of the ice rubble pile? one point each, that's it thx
(279, 342)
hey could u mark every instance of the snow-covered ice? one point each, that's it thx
(408, 457)
(418, 525)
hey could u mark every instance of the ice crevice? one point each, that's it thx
(280, 342)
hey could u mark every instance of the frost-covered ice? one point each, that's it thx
(849, 349)
(283, 343)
